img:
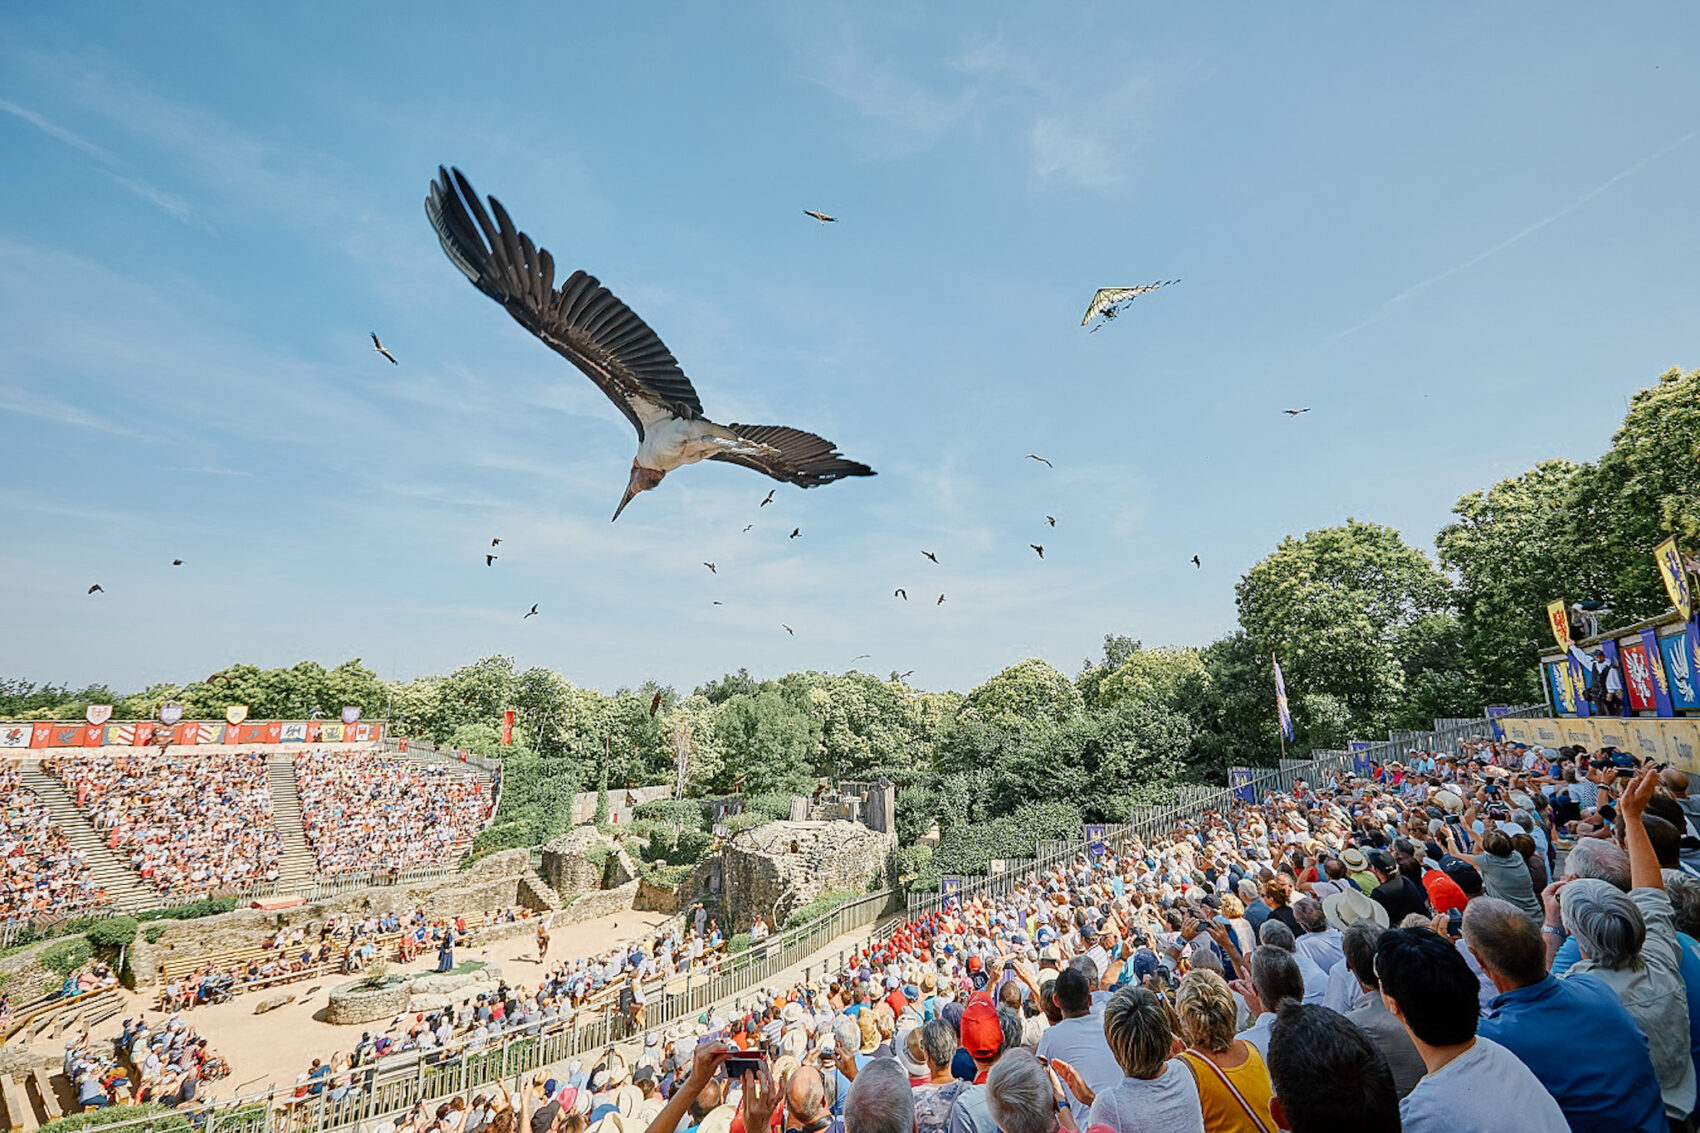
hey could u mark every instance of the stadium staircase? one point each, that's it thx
(109, 870)
(296, 865)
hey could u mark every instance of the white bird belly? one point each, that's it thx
(675, 442)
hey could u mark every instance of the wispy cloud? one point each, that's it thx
(911, 113)
(211, 471)
(169, 203)
(30, 403)
(1388, 307)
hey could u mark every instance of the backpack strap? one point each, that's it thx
(1221, 1076)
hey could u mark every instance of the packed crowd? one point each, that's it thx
(189, 824)
(165, 1066)
(365, 813)
(1373, 955)
(42, 876)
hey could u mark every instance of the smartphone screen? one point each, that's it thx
(749, 1062)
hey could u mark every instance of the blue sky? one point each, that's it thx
(1463, 240)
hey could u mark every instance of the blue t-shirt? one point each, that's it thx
(1610, 1087)
(1570, 952)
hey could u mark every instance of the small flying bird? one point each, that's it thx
(97, 588)
(820, 216)
(1196, 563)
(940, 602)
(1296, 412)
(900, 593)
(533, 610)
(902, 676)
(767, 499)
(747, 527)
(582, 321)
(378, 348)
(795, 531)
(1040, 459)
(654, 704)
(711, 569)
(717, 602)
(860, 657)
(1107, 301)
(787, 629)
(176, 562)
(495, 542)
(1051, 519)
(1038, 548)
(488, 559)
(931, 556)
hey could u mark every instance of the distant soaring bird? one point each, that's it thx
(1195, 562)
(1038, 548)
(787, 629)
(940, 602)
(582, 321)
(820, 216)
(532, 611)
(176, 562)
(747, 527)
(495, 542)
(1051, 519)
(97, 589)
(767, 499)
(860, 657)
(910, 673)
(931, 556)
(654, 704)
(1040, 459)
(378, 347)
(717, 602)
(795, 531)
(488, 559)
(1296, 412)
(711, 568)
(900, 593)
(1107, 301)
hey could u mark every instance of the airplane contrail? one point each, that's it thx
(1387, 307)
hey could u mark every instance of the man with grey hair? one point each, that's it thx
(1321, 940)
(1275, 980)
(1275, 934)
(1021, 1096)
(880, 1100)
(1537, 1017)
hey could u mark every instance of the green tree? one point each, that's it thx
(1335, 606)
(1512, 550)
(1025, 694)
(766, 742)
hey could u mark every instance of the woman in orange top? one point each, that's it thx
(1233, 1082)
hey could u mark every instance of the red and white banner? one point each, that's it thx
(1637, 676)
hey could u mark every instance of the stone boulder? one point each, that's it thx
(273, 1003)
(786, 864)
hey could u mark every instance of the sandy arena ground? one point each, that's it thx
(271, 1049)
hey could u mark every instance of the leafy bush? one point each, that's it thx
(206, 907)
(154, 931)
(740, 942)
(664, 876)
(968, 848)
(66, 956)
(912, 859)
(819, 907)
(114, 932)
(673, 812)
(162, 1119)
(672, 844)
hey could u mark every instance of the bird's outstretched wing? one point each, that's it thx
(1107, 297)
(793, 456)
(580, 319)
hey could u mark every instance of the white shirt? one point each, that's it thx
(1487, 1089)
(1323, 948)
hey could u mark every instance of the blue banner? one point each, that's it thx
(1239, 782)
(1281, 700)
(1361, 766)
(1095, 841)
(1558, 682)
(1677, 653)
(1661, 683)
(950, 886)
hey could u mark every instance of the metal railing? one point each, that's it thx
(444, 754)
(396, 1083)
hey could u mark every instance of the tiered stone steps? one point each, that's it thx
(296, 864)
(110, 871)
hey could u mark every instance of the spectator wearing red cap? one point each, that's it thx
(983, 1037)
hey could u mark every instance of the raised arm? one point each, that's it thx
(1644, 872)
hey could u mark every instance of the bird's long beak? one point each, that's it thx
(631, 490)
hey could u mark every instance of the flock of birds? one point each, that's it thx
(586, 324)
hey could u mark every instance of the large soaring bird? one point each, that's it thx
(582, 321)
